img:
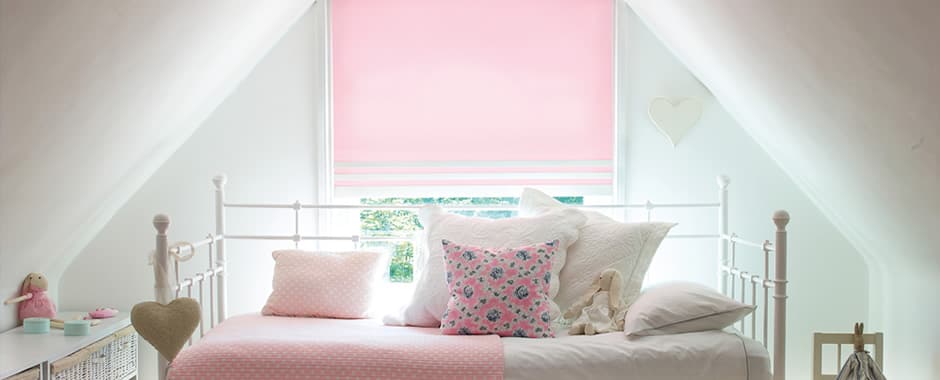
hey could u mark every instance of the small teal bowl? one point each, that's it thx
(36, 325)
(77, 327)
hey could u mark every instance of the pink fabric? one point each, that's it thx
(500, 291)
(256, 347)
(446, 170)
(526, 80)
(477, 182)
(323, 284)
(38, 306)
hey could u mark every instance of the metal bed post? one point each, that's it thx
(723, 182)
(781, 218)
(219, 182)
(163, 293)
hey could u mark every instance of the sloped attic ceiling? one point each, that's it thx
(843, 94)
(94, 96)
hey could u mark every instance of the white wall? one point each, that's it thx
(263, 137)
(94, 97)
(841, 93)
(718, 145)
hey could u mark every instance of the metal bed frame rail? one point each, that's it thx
(730, 278)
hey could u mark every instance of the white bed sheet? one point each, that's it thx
(717, 355)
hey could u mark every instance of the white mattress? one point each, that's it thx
(705, 355)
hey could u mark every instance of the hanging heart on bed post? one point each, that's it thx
(675, 117)
(167, 327)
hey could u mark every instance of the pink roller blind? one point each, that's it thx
(492, 92)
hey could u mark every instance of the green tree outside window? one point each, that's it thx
(404, 223)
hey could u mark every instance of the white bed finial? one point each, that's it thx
(219, 180)
(161, 222)
(781, 218)
(723, 181)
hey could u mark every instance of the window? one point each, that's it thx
(466, 103)
(403, 223)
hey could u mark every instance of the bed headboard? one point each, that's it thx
(732, 280)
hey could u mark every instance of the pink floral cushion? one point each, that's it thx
(498, 291)
(323, 284)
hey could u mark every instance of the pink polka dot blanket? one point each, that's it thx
(286, 348)
(498, 291)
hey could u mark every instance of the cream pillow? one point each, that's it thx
(604, 243)
(681, 307)
(324, 284)
(430, 295)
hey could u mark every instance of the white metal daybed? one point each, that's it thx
(709, 354)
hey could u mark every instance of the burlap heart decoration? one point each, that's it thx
(167, 327)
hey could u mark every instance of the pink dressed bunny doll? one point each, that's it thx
(36, 302)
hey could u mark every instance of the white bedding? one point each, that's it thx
(705, 355)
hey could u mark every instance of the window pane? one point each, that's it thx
(403, 224)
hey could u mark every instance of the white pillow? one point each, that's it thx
(430, 296)
(604, 243)
(681, 307)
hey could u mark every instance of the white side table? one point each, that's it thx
(20, 351)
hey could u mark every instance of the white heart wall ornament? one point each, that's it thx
(675, 117)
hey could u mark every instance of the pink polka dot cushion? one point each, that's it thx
(323, 284)
(498, 291)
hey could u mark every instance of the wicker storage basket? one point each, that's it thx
(123, 352)
(29, 374)
(111, 358)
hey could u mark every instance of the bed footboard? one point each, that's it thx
(744, 286)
